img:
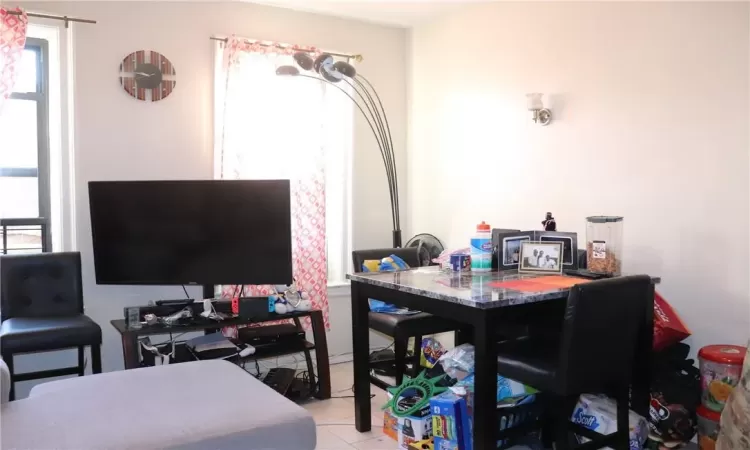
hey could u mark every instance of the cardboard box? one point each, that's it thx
(410, 429)
(422, 445)
(451, 426)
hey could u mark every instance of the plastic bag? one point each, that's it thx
(458, 362)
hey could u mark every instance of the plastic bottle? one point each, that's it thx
(481, 249)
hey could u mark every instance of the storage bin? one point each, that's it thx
(604, 244)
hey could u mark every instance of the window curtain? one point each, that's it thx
(12, 42)
(274, 127)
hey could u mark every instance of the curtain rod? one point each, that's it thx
(343, 55)
(48, 16)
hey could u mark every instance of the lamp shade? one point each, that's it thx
(345, 69)
(303, 60)
(323, 60)
(534, 101)
(287, 70)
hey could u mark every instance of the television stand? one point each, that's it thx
(132, 357)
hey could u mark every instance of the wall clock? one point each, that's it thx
(147, 75)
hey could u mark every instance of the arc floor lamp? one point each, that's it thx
(324, 69)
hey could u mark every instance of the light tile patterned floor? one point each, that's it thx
(335, 417)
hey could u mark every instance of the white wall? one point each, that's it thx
(650, 121)
(119, 138)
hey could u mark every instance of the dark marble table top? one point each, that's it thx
(466, 288)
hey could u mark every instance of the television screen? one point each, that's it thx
(191, 232)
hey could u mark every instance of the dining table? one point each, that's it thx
(481, 304)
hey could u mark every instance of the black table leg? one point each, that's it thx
(641, 395)
(485, 385)
(130, 355)
(321, 354)
(360, 347)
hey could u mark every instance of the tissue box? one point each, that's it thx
(599, 413)
(451, 426)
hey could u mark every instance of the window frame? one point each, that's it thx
(41, 97)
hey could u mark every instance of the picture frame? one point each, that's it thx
(570, 246)
(541, 257)
(499, 237)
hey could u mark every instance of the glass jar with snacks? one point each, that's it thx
(604, 244)
(721, 367)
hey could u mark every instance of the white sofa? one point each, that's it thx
(198, 405)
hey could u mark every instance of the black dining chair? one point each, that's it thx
(41, 309)
(401, 327)
(593, 354)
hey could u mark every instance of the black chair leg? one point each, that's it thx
(8, 358)
(562, 410)
(623, 421)
(399, 349)
(416, 350)
(96, 359)
(81, 361)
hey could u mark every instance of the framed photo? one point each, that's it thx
(504, 247)
(570, 246)
(541, 257)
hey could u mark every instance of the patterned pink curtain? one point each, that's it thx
(12, 42)
(273, 127)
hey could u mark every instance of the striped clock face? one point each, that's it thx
(147, 75)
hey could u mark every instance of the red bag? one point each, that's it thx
(668, 327)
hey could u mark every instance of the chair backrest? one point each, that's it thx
(410, 255)
(41, 285)
(600, 332)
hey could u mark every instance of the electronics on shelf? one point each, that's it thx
(279, 379)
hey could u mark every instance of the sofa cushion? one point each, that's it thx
(197, 405)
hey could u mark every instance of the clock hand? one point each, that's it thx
(144, 74)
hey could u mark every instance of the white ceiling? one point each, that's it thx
(387, 12)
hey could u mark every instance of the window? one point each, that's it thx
(24, 156)
(272, 127)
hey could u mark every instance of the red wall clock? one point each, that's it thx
(147, 75)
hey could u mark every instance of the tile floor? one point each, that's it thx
(335, 417)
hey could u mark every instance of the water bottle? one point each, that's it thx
(481, 249)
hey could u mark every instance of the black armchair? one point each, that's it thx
(593, 354)
(41, 309)
(401, 327)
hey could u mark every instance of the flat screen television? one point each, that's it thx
(191, 232)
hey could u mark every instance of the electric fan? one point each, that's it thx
(428, 247)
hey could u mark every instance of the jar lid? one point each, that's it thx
(706, 413)
(604, 219)
(483, 227)
(725, 354)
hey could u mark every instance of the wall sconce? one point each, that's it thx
(542, 115)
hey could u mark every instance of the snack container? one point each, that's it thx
(604, 244)
(708, 428)
(721, 367)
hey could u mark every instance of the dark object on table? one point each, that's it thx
(400, 326)
(675, 396)
(328, 71)
(428, 247)
(244, 247)
(180, 302)
(594, 355)
(272, 334)
(549, 223)
(583, 273)
(279, 379)
(41, 308)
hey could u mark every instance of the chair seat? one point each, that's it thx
(410, 325)
(530, 361)
(30, 334)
